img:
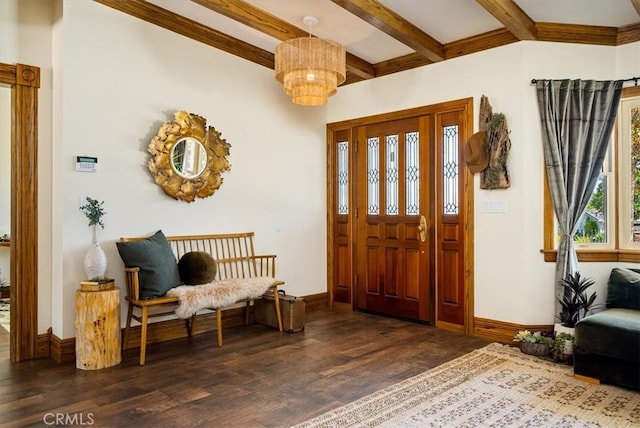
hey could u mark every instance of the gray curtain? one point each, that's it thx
(577, 120)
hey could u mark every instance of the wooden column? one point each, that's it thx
(97, 329)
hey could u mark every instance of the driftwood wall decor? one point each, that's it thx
(188, 158)
(496, 175)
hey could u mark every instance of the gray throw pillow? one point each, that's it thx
(624, 289)
(157, 263)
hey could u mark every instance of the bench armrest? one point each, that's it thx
(265, 265)
(133, 282)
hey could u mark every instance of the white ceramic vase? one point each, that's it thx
(95, 261)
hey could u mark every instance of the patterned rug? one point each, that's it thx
(4, 314)
(496, 386)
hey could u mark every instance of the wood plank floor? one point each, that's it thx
(259, 378)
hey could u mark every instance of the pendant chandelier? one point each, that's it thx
(310, 69)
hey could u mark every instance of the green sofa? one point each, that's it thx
(607, 344)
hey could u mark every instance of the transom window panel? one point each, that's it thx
(450, 174)
(343, 177)
(373, 176)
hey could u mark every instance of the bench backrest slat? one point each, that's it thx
(233, 253)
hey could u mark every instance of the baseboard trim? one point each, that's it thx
(64, 350)
(503, 332)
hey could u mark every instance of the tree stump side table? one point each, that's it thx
(97, 329)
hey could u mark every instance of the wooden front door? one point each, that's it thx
(393, 206)
(400, 217)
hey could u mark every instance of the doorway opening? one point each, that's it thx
(400, 204)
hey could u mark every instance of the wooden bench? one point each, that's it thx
(235, 259)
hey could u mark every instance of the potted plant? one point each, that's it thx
(534, 343)
(95, 261)
(563, 348)
(575, 303)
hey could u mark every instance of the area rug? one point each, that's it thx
(4, 314)
(496, 386)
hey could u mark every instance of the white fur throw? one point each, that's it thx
(218, 294)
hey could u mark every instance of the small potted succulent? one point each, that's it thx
(563, 348)
(534, 343)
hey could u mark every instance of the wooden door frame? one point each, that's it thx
(24, 81)
(465, 105)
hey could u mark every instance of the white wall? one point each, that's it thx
(115, 79)
(512, 281)
(121, 78)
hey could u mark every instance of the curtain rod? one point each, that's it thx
(635, 80)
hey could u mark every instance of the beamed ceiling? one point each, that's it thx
(387, 36)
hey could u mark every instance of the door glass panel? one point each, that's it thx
(412, 173)
(343, 177)
(392, 175)
(450, 169)
(373, 176)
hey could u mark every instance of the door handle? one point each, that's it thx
(422, 228)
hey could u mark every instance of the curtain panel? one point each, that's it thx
(577, 118)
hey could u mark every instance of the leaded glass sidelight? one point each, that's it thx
(392, 175)
(450, 169)
(373, 176)
(412, 173)
(343, 177)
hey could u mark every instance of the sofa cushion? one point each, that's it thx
(197, 267)
(612, 333)
(624, 289)
(157, 263)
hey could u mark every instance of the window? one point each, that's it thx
(609, 230)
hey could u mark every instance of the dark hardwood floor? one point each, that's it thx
(259, 378)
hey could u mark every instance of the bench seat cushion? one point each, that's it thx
(613, 333)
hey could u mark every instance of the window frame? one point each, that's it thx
(594, 254)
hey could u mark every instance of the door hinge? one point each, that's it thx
(355, 145)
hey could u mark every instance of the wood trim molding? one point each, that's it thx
(503, 332)
(64, 350)
(24, 81)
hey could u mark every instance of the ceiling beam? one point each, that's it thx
(258, 19)
(512, 17)
(636, 4)
(396, 26)
(194, 30)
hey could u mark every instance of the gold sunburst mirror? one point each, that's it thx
(188, 157)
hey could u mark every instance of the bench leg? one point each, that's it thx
(143, 335)
(277, 302)
(127, 329)
(246, 313)
(190, 323)
(219, 325)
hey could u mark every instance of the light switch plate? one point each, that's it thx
(494, 206)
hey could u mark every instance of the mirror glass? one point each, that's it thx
(188, 158)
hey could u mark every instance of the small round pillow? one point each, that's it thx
(197, 267)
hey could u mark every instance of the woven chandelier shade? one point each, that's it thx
(310, 69)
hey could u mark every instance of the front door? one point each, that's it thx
(400, 215)
(393, 214)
